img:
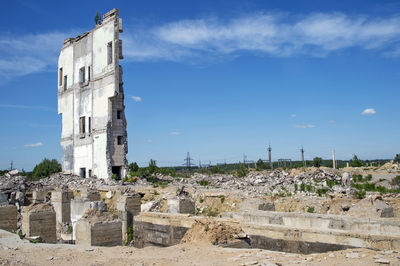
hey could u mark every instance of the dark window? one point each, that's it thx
(119, 140)
(82, 75)
(116, 170)
(120, 49)
(119, 114)
(83, 173)
(109, 53)
(88, 74)
(65, 82)
(90, 172)
(82, 125)
(60, 76)
(90, 125)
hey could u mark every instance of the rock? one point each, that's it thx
(267, 206)
(345, 182)
(98, 206)
(382, 261)
(109, 194)
(331, 255)
(352, 255)
(13, 172)
(3, 199)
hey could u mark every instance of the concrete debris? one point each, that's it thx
(372, 207)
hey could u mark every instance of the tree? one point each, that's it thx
(97, 18)
(46, 168)
(355, 162)
(317, 161)
(152, 166)
(133, 167)
(397, 158)
(260, 164)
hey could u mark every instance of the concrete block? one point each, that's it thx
(267, 206)
(8, 217)
(181, 205)
(128, 206)
(39, 220)
(39, 196)
(78, 208)
(3, 199)
(91, 194)
(98, 233)
(61, 201)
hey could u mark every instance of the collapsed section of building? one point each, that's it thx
(91, 102)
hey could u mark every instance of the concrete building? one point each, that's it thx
(91, 102)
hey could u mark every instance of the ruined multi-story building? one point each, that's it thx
(91, 101)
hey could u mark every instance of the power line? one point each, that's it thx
(188, 162)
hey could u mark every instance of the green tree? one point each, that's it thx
(355, 162)
(152, 166)
(260, 164)
(46, 168)
(133, 167)
(317, 161)
(243, 170)
(397, 158)
(97, 18)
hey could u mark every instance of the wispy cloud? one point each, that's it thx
(315, 34)
(304, 126)
(33, 145)
(293, 115)
(149, 140)
(175, 133)
(137, 98)
(369, 111)
(331, 121)
(31, 53)
(29, 107)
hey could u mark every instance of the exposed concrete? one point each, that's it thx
(268, 232)
(128, 206)
(8, 217)
(181, 205)
(90, 194)
(39, 196)
(78, 208)
(91, 102)
(39, 220)
(61, 201)
(98, 233)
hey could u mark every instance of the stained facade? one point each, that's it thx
(91, 102)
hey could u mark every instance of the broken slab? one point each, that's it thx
(97, 228)
(39, 196)
(372, 207)
(266, 206)
(39, 220)
(8, 217)
(128, 206)
(91, 194)
(61, 201)
(181, 205)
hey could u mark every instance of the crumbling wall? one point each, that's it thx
(39, 220)
(8, 217)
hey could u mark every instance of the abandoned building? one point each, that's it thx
(91, 102)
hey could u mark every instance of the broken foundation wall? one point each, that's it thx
(39, 220)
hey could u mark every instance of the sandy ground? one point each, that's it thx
(14, 251)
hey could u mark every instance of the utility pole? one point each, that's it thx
(302, 156)
(11, 165)
(269, 156)
(244, 158)
(188, 161)
(333, 159)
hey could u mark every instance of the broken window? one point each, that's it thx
(119, 140)
(60, 76)
(120, 50)
(109, 53)
(82, 75)
(82, 125)
(83, 172)
(119, 114)
(90, 125)
(65, 82)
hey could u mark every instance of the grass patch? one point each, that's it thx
(310, 209)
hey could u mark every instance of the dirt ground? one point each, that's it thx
(14, 251)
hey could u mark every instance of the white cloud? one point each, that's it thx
(331, 121)
(304, 126)
(369, 111)
(37, 144)
(31, 53)
(137, 98)
(293, 115)
(316, 34)
(175, 133)
(149, 140)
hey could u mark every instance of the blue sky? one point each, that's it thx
(218, 79)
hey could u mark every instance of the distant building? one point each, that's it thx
(91, 102)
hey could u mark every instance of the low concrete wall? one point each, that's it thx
(167, 229)
(8, 217)
(78, 208)
(90, 233)
(318, 221)
(61, 201)
(39, 223)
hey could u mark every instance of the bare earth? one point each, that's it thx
(14, 251)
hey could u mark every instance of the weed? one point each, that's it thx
(201, 200)
(322, 191)
(296, 187)
(302, 187)
(203, 183)
(69, 230)
(360, 194)
(222, 198)
(310, 209)
(206, 228)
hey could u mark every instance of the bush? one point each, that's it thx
(310, 209)
(360, 194)
(397, 158)
(322, 191)
(242, 171)
(133, 167)
(396, 181)
(46, 168)
(355, 162)
(203, 183)
(317, 161)
(302, 187)
(260, 165)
